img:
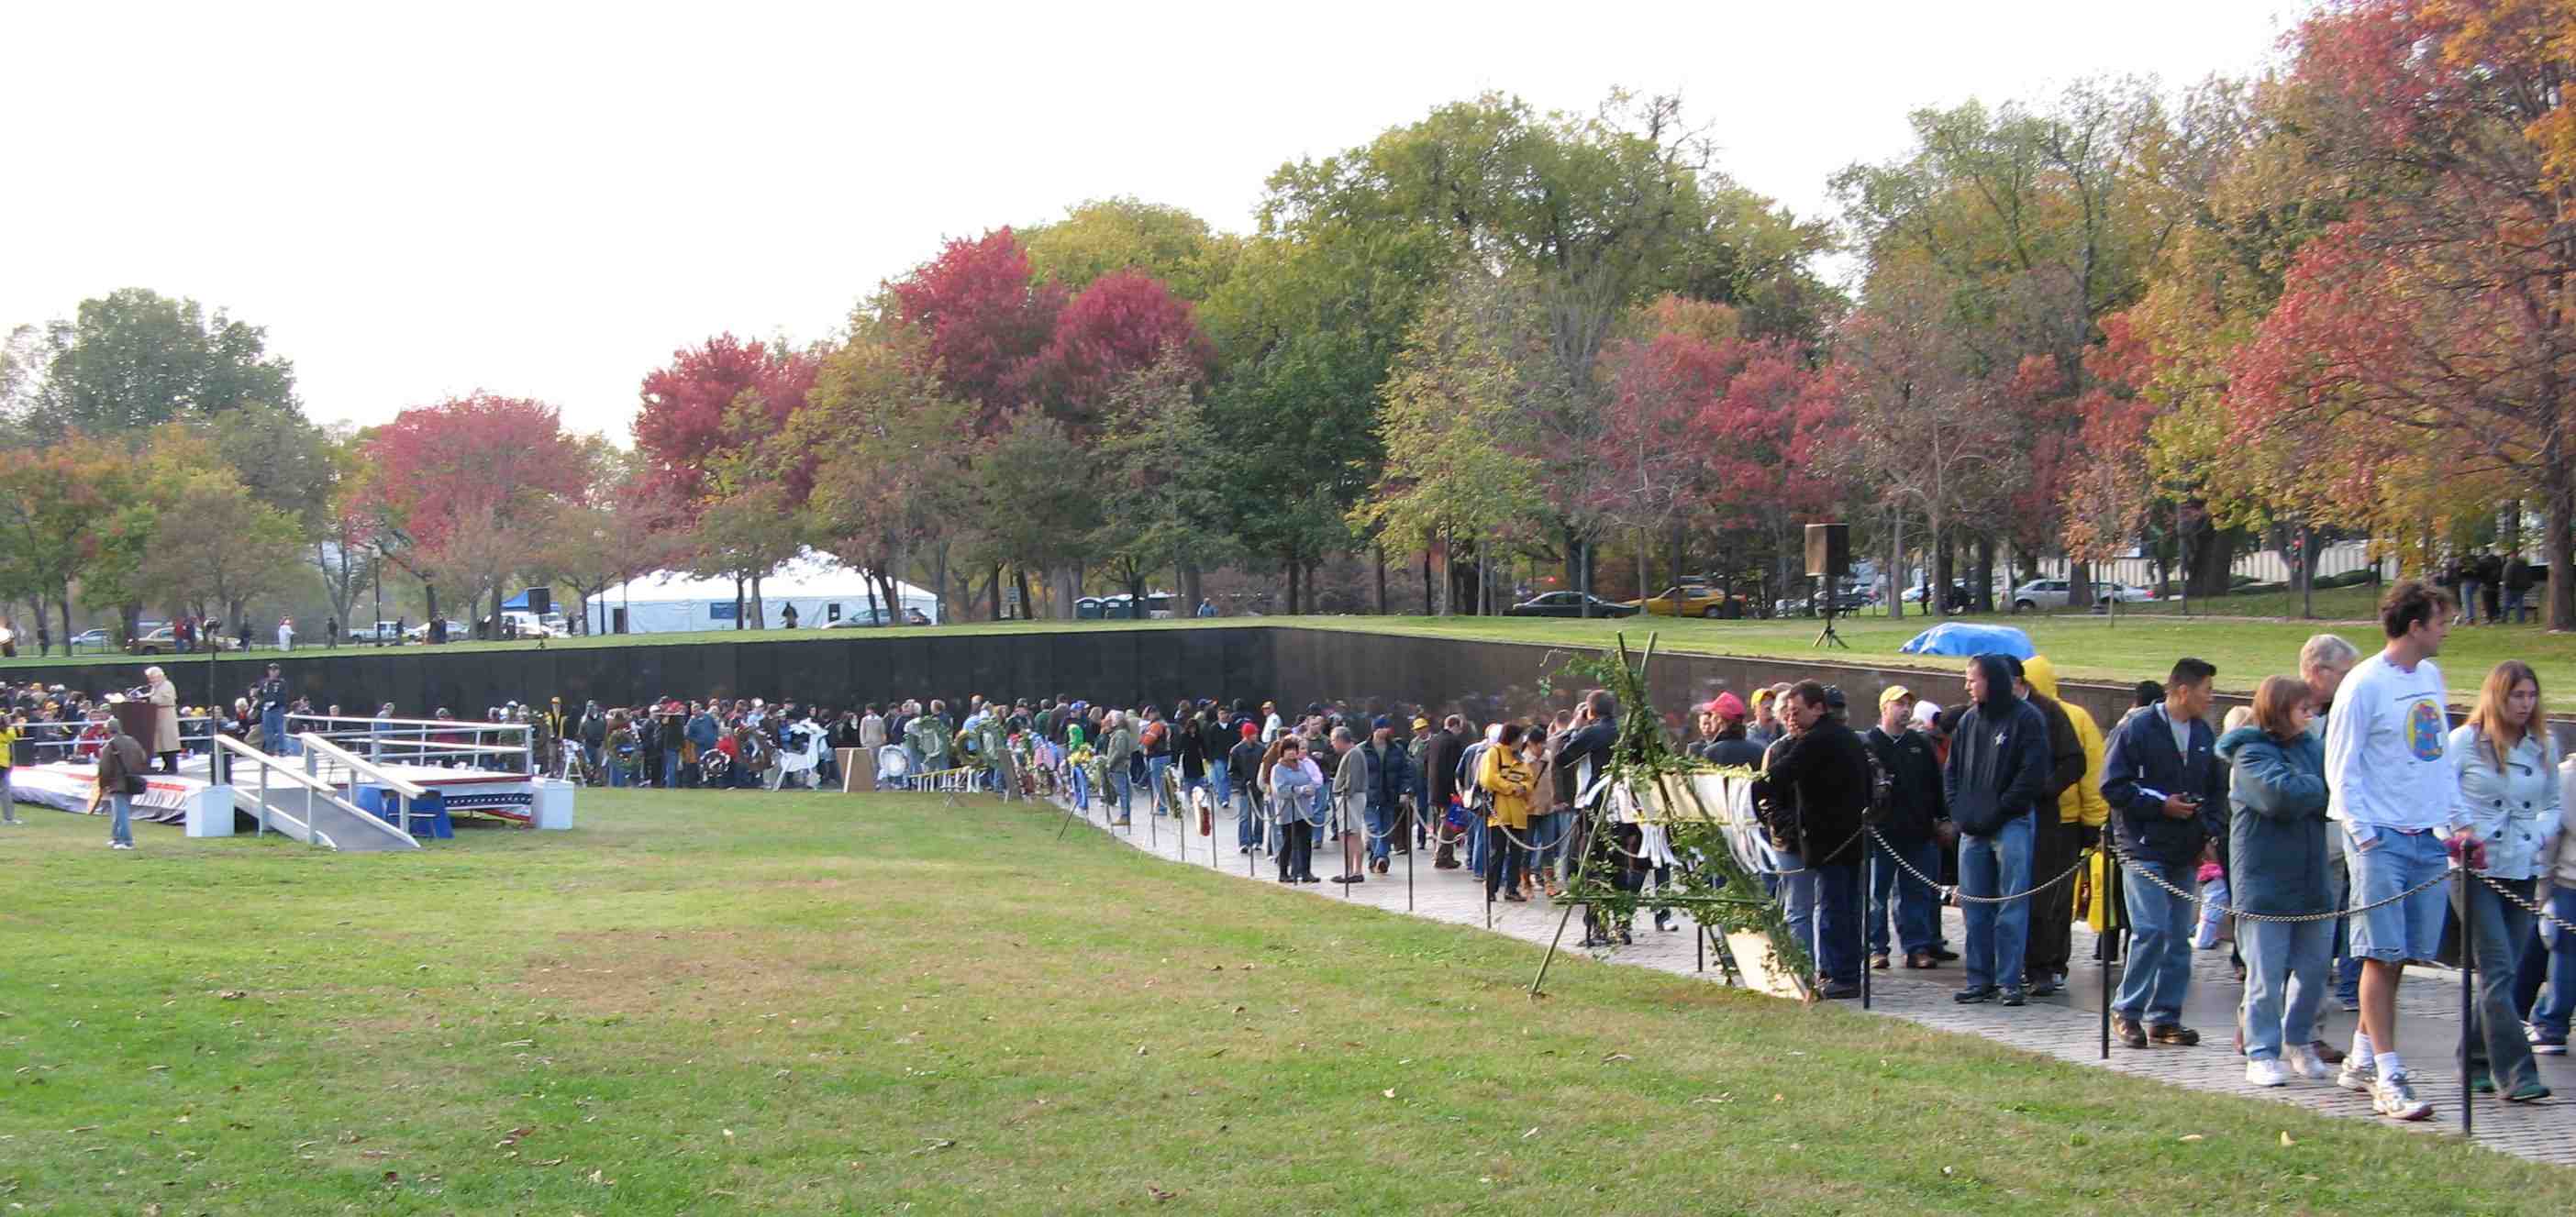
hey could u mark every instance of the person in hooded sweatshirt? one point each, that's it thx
(1995, 783)
(2075, 778)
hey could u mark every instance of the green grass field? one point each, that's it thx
(813, 1003)
(2120, 649)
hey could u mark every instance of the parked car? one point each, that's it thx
(161, 640)
(456, 632)
(1684, 600)
(93, 640)
(1568, 604)
(2056, 594)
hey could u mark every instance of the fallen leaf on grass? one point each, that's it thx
(1159, 1194)
(393, 1177)
(518, 1043)
(2189, 1137)
(1390, 1094)
(2286, 1140)
(548, 1162)
(934, 1144)
(1527, 1135)
(86, 1128)
(1617, 1056)
(600, 1178)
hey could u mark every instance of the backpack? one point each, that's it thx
(1882, 789)
(1472, 792)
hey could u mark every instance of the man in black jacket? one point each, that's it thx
(2167, 788)
(1828, 766)
(1916, 813)
(1440, 780)
(1997, 779)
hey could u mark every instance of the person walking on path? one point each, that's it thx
(1996, 782)
(2164, 778)
(2277, 866)
(2070, 820)
(2556, 1002)
(2508, 801)
(2392, 786)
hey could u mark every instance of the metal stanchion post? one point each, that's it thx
(1408, 876)
(2107, 943)
(1869, 887)
(2468, 996)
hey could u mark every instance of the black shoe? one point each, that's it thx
(1944, 954)
(1664, 922)
(1878, 961)
(2045, 986)
(2173, 1033)
(1839, 992)
(1971, 996)
(2128, 1032)
(2015, 996)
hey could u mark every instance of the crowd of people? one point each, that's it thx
(2319, 824)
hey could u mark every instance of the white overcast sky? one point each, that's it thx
(547, 199)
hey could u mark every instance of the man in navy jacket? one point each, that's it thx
(2168, 793)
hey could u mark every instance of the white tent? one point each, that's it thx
(670, 602)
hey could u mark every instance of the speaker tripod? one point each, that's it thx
(1828, 634)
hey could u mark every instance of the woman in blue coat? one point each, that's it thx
(2277, 865)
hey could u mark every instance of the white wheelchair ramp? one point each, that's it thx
(285, 799)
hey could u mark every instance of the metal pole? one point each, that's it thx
(1868, 917)
(2468, 990)
(1408, 874)
(2108, 941)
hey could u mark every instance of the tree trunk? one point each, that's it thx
(1028, 603)
(1192, 590)
(1944, 563)
(738, 620)
(2079, 583)
(2213, 558)
(2559, 533)
(1895, 565)
(1675, 551)
(1983, 595)
(1427, 541)
(1378, 551)
(759, 607)
(1645, 586)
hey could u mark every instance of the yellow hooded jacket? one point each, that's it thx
(2082, 803)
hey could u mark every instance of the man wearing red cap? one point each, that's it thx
(1722, 723)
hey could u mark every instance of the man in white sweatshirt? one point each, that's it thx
(2392, 789)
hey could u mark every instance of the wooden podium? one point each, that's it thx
(858, 770)
(135, 717)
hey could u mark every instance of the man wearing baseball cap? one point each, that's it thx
(1916, 812)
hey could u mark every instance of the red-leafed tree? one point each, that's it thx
(984, 317)
(683, 425)
(2438, 314)
(1122, 324)
(463, 490)
(1770, 444)
(1649, 465)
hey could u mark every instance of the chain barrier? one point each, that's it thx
(2527, 906)
(1951, 892)
(2137, 868)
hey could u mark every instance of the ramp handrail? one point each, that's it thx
(312, 785)
(360, 765)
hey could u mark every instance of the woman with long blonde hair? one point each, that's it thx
(2509, 800)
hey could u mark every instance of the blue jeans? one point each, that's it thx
(2514, 608)
(2159, 971)
(1917, 906)
(1154, 767)
(1838, 931)
(2347, 966)
(272, 730)
(1476, 848)
(2395, 862)
(120, 829)
(1796, 894)
(1247, 821)
(616, 772)
(1998, 934)
(1122, 788)
(8, 798)
(2558, 995)
(2285, 981)
(1081, 788)
(670, 768)
(1381, 827)
(2469, 589)
(2497, 928)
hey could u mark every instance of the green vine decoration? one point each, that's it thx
(1718, 889)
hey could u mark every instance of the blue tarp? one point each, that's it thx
(1964, 638)
(519, 602)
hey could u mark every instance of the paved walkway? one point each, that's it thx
(2067, 1026)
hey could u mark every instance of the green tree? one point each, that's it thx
(1163, 491)
(1100, 236)
(134, 359)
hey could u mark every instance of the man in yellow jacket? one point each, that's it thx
(2081, 813)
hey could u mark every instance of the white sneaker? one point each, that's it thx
(2396, 1100)
(2359, 1073)
(2267, 1073)
(2302, 1062)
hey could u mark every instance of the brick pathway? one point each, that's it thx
(2067, 1026)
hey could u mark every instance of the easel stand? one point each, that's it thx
(1829, 635)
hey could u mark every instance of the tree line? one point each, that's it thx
(1498, 345)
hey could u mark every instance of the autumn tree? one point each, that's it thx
(891, 484)
(52, 501)
(683, 423)
(2437, 314)
(985, 317)
(461, 491)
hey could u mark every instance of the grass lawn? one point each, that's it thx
(812, 1003)
(2131, 647)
